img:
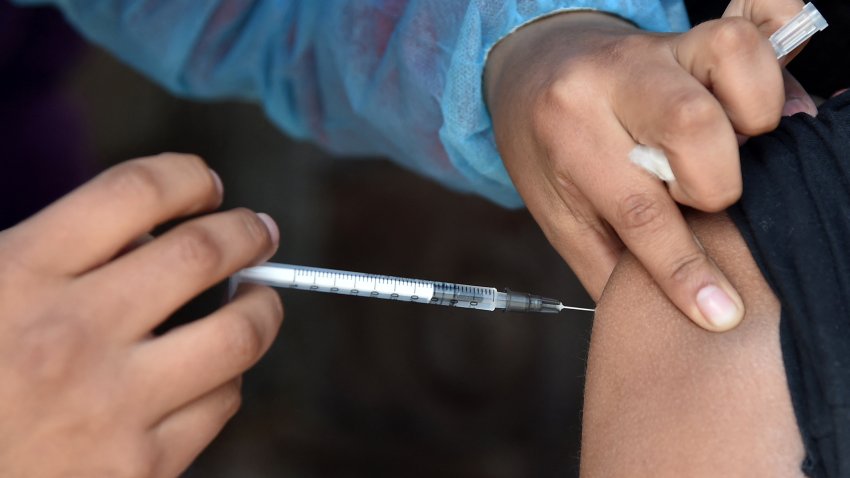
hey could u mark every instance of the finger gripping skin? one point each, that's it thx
(642, 212)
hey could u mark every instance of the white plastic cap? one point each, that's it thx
(797, 30)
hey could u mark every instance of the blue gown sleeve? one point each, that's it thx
(395, 78)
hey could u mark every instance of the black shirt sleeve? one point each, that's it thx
(795, 218)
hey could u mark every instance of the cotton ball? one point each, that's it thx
(652, 160)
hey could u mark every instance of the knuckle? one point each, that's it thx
(243, 339)
(253, 226)
(138, 179)
(573, 91)
(691, 111)
(556, 100)
(192, 166)
(641, 211)
(683, 268)
(196, 173)
(197, 248)
(734, 34)
(564, 90)
(558, 92)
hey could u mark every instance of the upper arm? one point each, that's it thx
(666, 398)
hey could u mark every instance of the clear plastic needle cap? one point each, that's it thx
(797, 30)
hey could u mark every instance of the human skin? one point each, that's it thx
(87, 389)
(572, 94)
(666, 398)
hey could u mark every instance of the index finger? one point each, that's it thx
(95, 222)
(654, 230)
(648, 221)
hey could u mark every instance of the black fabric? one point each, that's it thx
(795, 217)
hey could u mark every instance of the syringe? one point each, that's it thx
(397, 288)
(785, 40)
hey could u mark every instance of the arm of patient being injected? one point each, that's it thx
(666, 398)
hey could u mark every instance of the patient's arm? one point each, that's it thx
(666, 398)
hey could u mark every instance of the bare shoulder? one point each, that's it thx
(666, 398)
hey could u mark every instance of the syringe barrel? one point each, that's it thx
(395, 288)
(464, 296)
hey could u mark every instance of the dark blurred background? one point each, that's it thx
(352, 387)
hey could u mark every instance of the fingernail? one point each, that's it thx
(271, 226)
(717, 307)
(219, 186)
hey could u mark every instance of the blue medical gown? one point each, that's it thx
(394, 78)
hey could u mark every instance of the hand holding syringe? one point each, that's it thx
(399, 289)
